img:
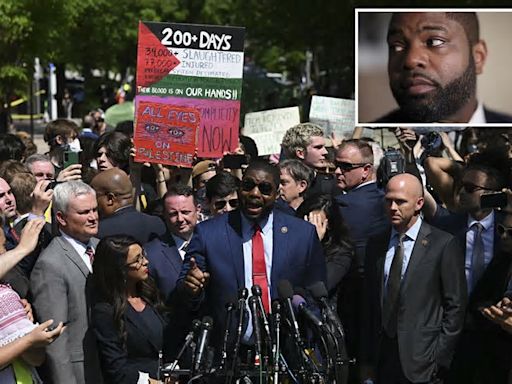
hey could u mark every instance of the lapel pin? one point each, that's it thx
(424, 242)
(284, 229)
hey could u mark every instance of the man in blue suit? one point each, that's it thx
(362, 208)
(222, 256)
(165, 254)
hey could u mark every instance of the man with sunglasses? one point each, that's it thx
(476, 228)
(253, 245)
(222, 193)
(362, 208)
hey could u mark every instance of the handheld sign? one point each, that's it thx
(189, 84)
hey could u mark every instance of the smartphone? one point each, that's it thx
(493, 200)
(53, 326)
(234, 161)
(52, 185)
(70, 158)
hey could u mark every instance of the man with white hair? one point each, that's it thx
(58, 285)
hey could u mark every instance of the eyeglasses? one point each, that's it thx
(504, 230)
(344, 166)
(138, 261)
(220, 204)
(265, 187)
(471, 188)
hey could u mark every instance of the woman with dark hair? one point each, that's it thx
(323, 213)
(113, 150)
(128, 316)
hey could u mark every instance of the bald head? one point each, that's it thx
(113, 190)
(404, 200)
(407, 182)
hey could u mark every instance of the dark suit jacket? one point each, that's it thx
(363, 212)
(217, 248)
(490, 116)
(120, 365)
(164, 264)
(432, 302)
(129, 221)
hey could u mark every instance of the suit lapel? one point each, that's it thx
(279, 249)
(421, 246)
(73, 256)
(234, 238)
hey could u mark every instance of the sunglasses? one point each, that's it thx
(265, 187)
(344, 166)
(471, 188)
(220, 204)
(504, 230)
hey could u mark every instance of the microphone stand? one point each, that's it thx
(224, 353)
(276, 347)
(242, 296)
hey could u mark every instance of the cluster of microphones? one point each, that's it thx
(301, 339)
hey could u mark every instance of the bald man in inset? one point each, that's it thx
(118, 216)
(415, 293)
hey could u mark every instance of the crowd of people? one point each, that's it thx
(106, 263)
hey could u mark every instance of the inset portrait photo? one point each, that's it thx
(433, 66)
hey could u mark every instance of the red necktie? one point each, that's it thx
(90, 252)
(259, 268)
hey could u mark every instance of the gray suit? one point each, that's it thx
(431, 308)
(58, 286)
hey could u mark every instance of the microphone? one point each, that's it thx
(300, 305)
(242, 297)
(319, 292)
(285, 290)
(256, 291)
(253, 306)
(203, 342)
(230, 305)
(276, 311)
(196, 325)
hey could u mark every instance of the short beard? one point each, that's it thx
(441, 103)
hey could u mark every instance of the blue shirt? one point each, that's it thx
(266, 225)
(409, 240)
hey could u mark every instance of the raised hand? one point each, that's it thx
(196, 279)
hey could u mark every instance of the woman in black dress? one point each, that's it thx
(127, 315)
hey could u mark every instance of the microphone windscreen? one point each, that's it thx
(276, 306)
(256, 290)
(318, 290)
(297, 300)
(196, 324)
(285, 289)
(207, 322)
(243, 293)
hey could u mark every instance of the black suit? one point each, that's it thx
(397, 116)
(431, 305)
(129, 221)
(122, 364)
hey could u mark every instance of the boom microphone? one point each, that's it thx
(203, 342)
(319, 292)
(299, 304)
